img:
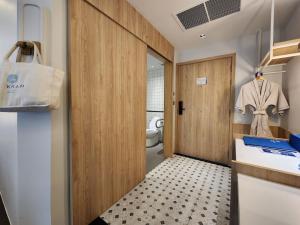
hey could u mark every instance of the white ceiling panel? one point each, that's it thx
(254, 14)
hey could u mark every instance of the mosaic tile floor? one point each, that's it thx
(180, 191)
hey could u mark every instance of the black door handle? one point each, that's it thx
(180, 107)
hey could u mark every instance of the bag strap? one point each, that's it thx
(37, 58)
(19, 55)
(10, 52)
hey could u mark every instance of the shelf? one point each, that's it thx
(41, 108)
(282, 53)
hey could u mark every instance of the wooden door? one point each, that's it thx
(108, 99)
(203, 130)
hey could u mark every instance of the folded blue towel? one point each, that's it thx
(295, 141)
(280, 152)
(268, 143)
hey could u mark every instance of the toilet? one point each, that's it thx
(154, 132)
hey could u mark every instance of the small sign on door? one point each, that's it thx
(200, 81)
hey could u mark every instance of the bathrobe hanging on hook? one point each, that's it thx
(261, 96)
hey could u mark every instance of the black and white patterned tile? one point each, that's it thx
(180, 191)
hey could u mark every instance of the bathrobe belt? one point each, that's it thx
(259, 126)
(260, 112)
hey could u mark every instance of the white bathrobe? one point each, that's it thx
(259, 98)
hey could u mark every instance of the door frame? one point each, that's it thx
(232, 96)
(168, 103)
(169, 109)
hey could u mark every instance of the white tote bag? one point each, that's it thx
(29, 85)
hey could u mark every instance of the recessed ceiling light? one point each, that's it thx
(203, 36)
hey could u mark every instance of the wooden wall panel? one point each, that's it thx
(127, 16)
(265, 173)
(108, 72)
(168, 115)
(277, 132)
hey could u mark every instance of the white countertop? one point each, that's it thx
(256, 156)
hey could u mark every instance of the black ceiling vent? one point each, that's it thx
(220, 8)
(193, 17)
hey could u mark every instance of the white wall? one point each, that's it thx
(34, 134)
(292, 89)
(155, 92)
(8, 121)
(291, 80)
(43, 136)
(60, 173)
(155, 89)
(292, 30)
(34, 146)
(34, 160)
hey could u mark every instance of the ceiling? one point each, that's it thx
(254, 14)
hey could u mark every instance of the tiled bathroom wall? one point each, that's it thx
(155, 93)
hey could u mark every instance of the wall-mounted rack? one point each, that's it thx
(41, 108)
(27, 47)
(155, 111)
(282, 53)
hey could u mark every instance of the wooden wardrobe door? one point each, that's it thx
(108, 98)
(203, 130)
